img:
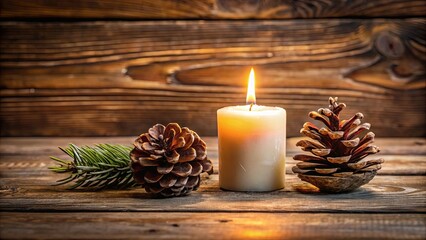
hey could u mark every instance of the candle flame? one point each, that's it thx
(251, 95)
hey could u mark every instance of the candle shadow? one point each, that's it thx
(192, 198)
(360, 193)
(252, 192)
(231, 196)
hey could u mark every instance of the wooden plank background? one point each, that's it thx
(110, 68)
(210, 9)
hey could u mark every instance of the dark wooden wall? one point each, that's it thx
(102, 68)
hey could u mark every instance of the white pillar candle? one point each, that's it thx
(252, 142)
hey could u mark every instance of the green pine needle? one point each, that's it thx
(104, 166)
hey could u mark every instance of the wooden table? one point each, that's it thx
(392, 206)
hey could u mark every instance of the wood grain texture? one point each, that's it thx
(402, 156)
(159, 225)
(41, 146)
(25, 186)
(209, 9)
(384, 194)
(116, 78)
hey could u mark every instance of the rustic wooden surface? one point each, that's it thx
(209, 9)
(392, 206)
(118, 77)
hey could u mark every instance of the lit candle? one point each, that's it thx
(252, 142)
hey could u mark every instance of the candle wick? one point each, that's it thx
(251, 105)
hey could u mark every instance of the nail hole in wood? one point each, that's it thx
(224, 220)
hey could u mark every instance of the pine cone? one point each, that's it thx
(337, 162)
(168, 160)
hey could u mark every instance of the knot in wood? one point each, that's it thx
(389, 45)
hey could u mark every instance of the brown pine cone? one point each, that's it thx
(168, 160)
(337, 163)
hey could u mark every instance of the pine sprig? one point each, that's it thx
(99, 167)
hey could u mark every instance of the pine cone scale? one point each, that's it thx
(197, 168)
(358, 165)
(310, 165)
(207, 166)
(326, 170)
(348, 123)
(177, 189)
(182, 169)
(187, 155)
(339, 160)
(319, 117)
(148, 147)
(189, 140)
(154, 188)
(200, 152)
(165, 168)
(181, 181)
(148, 162)
(152, 177)
(321, 152)
(156, 131)
(350, 143)
(303, 157)
(172, 157)
(168, 181)
(192, 181)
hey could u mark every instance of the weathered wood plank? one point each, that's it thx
(69, 79)
(24, 155)
(394, 165)
(395, 194)
(159, 225)
(210, 9)
(42, 146)
(25, 184)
